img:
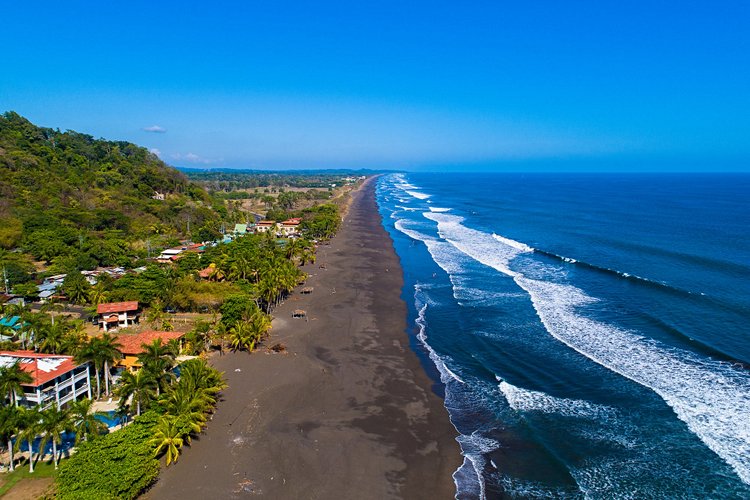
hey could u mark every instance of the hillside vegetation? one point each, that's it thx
(76, 201)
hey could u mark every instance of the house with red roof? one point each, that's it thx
(131, 345)
(57, 379)
(265, 225)
(118, 314)
(290, 227)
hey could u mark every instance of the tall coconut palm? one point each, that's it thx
(141, 385)
(167, 438)
(54, 422)
(88, 353)
(28, 430)
(52, 337)
(108, 353)
(12, 378)
(9, 426)
(51, 307)
(85, 423)
(158, 359)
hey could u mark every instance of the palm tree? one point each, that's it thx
(158, 359)
(52, 337)
(12, 378)
(107, 353)
(155, 315)
(240, 336)
(98, 294)
(141, 385)
(53, 424)
(9, 425)
(85, 423)
(28, 425)
(51, 307)
(88, 353)
(189, 406)
(168, 438)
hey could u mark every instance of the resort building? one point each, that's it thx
(265, 225)
(118, 314)
(290, 227)
(132, 346)
(57, 380)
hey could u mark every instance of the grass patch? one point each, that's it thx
(41, 469)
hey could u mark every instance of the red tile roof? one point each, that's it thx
(42, 367)
(292, 222)
(131, 344)
(115, 307)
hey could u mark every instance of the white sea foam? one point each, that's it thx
(411, 233)
(526, 400)
(408, 209)
(439, 209)
(711, 397)
(417, 194)
(523, 247)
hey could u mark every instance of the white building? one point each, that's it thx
(169, 254)
(57, 379)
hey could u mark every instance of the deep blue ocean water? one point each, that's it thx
(591, 331)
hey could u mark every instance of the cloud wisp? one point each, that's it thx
(194, 158)
(155, 129)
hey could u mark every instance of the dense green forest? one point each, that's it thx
(77, 202)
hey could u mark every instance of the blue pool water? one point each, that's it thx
(591, 331)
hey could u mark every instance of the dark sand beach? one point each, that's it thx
(347, 411)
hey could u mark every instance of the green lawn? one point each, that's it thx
(41, 469)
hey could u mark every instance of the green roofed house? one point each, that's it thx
(240, 229)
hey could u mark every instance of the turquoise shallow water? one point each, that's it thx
(591, 331)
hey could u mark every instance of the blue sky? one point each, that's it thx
(415, 85)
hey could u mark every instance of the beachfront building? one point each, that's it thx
(290, 227)
(265, 225)
(132, 346)
(57, 379)
(118, 314)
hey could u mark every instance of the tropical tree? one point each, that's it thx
(28, 430)
(9, 425)
(52, 337)
(51, 307)
(158, 360)
(89, 353)
(76, 288)
(54, 422)
(98, 294)
(85, 422)
(107, 353)
(141, 385)
(167, 438)
(240, 336)
(12, 378)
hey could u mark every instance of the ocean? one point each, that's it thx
(590, 331)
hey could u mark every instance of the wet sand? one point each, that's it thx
(347, 411)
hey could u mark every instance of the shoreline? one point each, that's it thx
(347, 410)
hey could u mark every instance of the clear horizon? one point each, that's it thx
(419, 87)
